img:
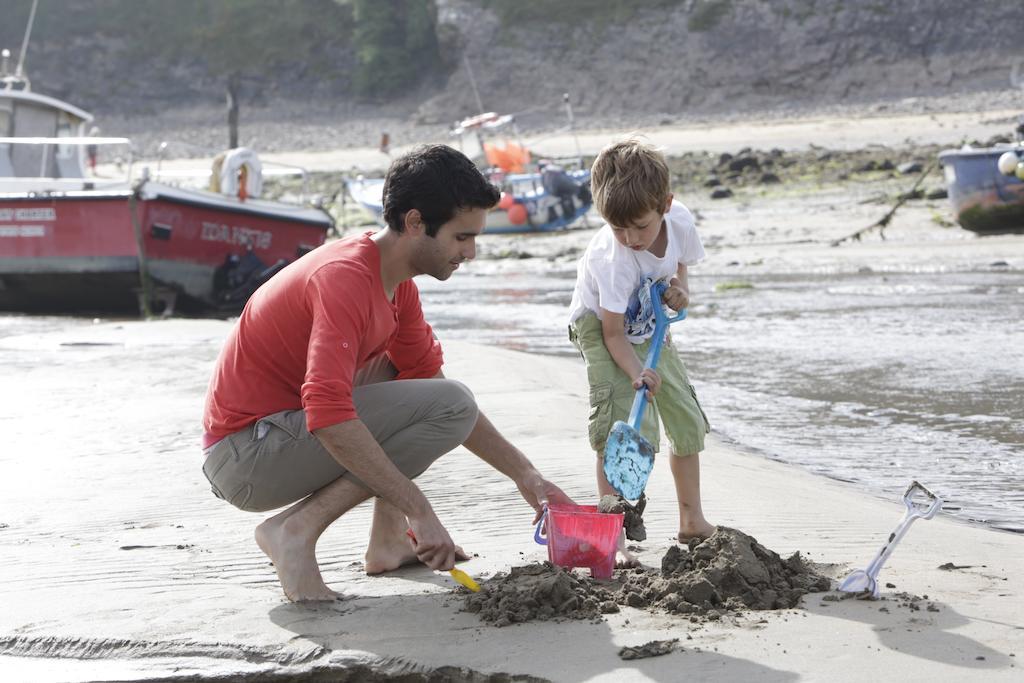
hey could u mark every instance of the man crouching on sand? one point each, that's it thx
(329, 389)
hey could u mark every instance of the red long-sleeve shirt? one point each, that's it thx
(303, 335)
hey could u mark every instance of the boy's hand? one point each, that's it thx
(676, 298)
(650, 378)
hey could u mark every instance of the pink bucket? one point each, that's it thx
(580, 536)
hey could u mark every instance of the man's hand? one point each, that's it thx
(651, 379)
(676, 298)
(433, 546)
(496, 450)
(538, 492)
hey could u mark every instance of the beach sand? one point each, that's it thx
(119, 564)
(796, 132)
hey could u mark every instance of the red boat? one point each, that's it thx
(73, 242)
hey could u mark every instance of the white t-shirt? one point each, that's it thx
(608, 273)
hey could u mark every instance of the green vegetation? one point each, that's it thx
(396, 45)
(573, 11)
(942, 220)
(801, 10)
(732, 284)
(796, 171)
(394, 42)
(706, 14)
(236, 36)
(996, 219)
(228, 33)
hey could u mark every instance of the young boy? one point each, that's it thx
(648, 236)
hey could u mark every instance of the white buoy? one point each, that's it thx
(1008, 163)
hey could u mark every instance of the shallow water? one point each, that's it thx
(872, 379)
(875, 379)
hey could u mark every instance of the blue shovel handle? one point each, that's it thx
(661, 322)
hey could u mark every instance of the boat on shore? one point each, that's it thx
(74, 242)
(984, 199)
(986, 184)
(539, 210)
(544, 195)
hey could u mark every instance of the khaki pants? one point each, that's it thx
(277, 461)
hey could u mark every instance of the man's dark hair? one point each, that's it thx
(437, 180)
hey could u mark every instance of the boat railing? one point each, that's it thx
(47, 183)
(21, 184)
(270, 168)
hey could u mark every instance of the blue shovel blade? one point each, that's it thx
(628, 460)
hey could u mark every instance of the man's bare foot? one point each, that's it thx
(701, 530)
(294, 558)
(389, 555)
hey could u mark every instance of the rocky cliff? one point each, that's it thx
(719, 56)
(650, 61)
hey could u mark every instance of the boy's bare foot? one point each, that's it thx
(294, 558)
(629, 560)
(700, 531)
(389, 555)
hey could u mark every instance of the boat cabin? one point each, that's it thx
(25, 114)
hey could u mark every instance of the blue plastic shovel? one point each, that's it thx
(628, 456)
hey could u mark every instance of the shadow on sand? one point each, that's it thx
(922, 632)
(428, 634)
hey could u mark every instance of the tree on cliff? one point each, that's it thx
(240, 41)
(396, 45)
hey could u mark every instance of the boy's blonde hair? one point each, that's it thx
(628, 179)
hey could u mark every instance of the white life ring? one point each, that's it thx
(234, 161)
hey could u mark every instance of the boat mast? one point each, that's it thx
(472, 84)
(479, 102)
(1018, 82)
(572, 125)
(20, 71)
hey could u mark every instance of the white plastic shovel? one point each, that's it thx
(866, 580)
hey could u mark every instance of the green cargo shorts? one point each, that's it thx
(612, 393)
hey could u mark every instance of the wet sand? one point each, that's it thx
(119, 564)
(832, 356)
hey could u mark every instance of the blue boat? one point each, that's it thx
(526, 206)
(984, 200)
(536, 196)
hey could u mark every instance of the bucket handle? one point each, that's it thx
(541, 531)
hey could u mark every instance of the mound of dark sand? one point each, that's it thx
(536, 591)
(728, 571)
(655, 648)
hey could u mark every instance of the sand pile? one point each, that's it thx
(728, 571)
(538, 591)
(655, 648)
